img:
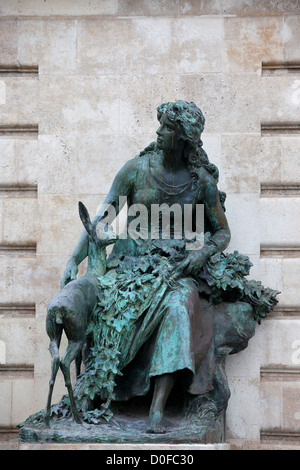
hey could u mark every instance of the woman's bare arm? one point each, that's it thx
(221, 233)
(122, 186)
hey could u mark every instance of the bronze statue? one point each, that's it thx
(163, 312)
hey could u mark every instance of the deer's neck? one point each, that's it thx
(96, 260)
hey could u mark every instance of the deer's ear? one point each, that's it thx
(84, 216)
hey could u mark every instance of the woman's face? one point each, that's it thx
(168, 134)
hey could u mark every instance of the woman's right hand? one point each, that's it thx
(70, 273)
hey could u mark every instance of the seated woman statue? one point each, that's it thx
(152, 322)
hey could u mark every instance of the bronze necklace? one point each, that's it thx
(169, 189)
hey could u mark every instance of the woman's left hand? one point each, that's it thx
(192, 264)
(197, 260)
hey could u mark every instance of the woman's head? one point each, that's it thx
(190, 120)
(188, 117)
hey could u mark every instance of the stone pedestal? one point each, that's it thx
(174, 449)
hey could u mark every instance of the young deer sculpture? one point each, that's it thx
(71, 310)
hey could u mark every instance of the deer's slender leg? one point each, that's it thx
(78, 362)
(74, 347)
(54, 351)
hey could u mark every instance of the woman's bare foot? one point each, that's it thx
(163, 386)
(155, 423)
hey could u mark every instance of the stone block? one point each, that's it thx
(62, 228)
(99, 158)
(291, 36)
(9, 41)
(271, 404)
(281, 99)
(291, 406)
(2, 92)
(56, 7)
(291, 282)
(279, 221)
(60, 222)
(200, 7)
(5, 394)
(19, 220)
(251, 40)
(28, 280)
(242, 163)
(240, 366)
(197, 44)
(241, 214)
(140, 95)
(45, 275)
(243, 415)
(22, 404)
(54, 164)
(28, 277)
(150, 45)
(21, 103)
(261, 353)
(19, 336)
(290, 163)
(120, 49)
(206, 90)
(237, 8)
(7, 279)
(269, 272)
(78, 105)
(281, 405)
(271, 152)
(7, 161)
(146, 8)
(257, 7)
(49, 44)
(227, 101)
(30, 159)
(212, 146)
(254, 271)
(283, 351)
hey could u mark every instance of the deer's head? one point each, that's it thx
(102, 235)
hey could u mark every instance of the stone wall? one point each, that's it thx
(79, 87)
